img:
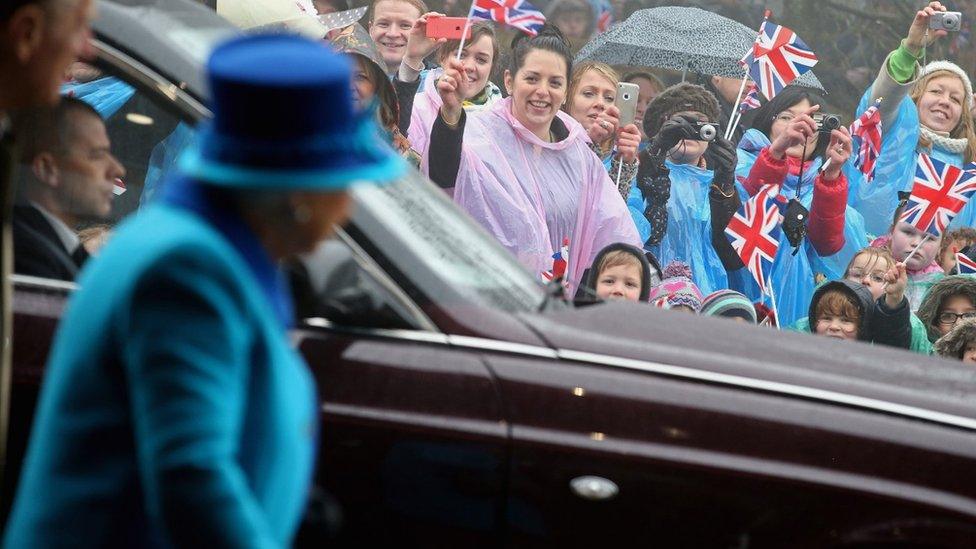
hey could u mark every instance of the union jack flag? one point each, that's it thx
(939, 193)
(866, 130)
(560, 263)
(965, 265)
(777, 57)
(514, 13)
(751, 100)
(754, 233)
(118, 187)
(604, 14)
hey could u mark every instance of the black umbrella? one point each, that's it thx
(680, 39)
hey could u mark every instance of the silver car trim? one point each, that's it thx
(682, 372)
(139, 72)
(20, 280)
(407, 335)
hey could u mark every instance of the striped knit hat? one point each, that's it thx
(730, 304)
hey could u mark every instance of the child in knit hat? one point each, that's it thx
(729, 304)
(677, 292)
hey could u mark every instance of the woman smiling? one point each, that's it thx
(523, 168)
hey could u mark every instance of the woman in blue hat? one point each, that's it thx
(175, 412)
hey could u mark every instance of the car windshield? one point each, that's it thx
(415, 215)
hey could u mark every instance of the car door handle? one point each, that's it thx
(594, 488)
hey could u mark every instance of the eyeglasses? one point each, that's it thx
(785, 117)
(857, 276)
(950, 318)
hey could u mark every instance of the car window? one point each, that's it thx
(339, 283)
(86, 165)
(415, 215)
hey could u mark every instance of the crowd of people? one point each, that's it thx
(547, 168)
(542, 159)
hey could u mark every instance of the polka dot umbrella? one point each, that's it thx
(681, 39)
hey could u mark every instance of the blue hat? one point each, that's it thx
(284, 119)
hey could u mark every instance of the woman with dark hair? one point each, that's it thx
(784, 147)
(523, 169)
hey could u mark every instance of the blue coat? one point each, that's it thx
(174, 411)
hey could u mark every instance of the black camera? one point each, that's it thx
(950, 21)
(826, 123)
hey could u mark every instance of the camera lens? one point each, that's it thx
(626, 97)
(708, 132)
(950, 20)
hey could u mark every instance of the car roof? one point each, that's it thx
(173, 37)
(720, 351)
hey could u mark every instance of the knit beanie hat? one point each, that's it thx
(677, 289)
(730, 304)
(953, 68)
(679, 98)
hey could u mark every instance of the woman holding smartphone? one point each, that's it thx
(417, 87)
(592, 97)
(523, 168)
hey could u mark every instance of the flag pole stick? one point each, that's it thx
(920, 242)
(735, 106)
(467, 28)
(772, 297)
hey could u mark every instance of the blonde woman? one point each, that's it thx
(923, 110)
(590, 100)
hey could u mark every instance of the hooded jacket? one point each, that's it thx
(879, 323)
(954, 343)
(947, 286)
(587, 290)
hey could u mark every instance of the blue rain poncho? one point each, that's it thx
(794, 276)
(895, 171)
(689, 234)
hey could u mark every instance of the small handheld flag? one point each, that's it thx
(118, 187)
(940, 192)
(777, 57)
(866, 132)
(560, 263)
(751, 100)
(965, 265)
(514, 13)
(754, 233)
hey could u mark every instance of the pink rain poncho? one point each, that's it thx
(426, 105)
(532, 195)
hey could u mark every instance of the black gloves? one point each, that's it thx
(721, 159)
(671, 132)
(723, 198)
(654, 180)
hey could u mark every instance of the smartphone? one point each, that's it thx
(451, 28)
(626, 101)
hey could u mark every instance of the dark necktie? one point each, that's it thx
(80, 255)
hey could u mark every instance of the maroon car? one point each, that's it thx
(462, 406)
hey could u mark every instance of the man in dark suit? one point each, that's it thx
(67, 176)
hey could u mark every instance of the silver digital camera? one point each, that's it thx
(950, 21)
